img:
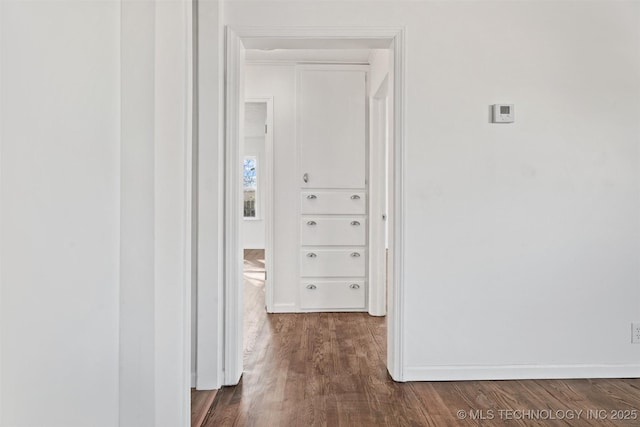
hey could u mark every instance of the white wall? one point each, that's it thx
(155, 271)
(137, 219)
(94, 102)
(522, 240)
(279, 81)
(59, 245)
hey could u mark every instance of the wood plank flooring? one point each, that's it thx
(328, 369)
(201, 401)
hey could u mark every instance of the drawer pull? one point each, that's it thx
(354, 286)
(311, 255)
(311, 223)
(311, 287)
(355, 222)
(312, 196)
(355, 197)
(355, 254)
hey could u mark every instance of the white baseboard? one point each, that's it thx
(284, 308)
(193, 379)
(292, 308)
(518, 372)
(208, 386)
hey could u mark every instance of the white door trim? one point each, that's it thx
(232, 329)
(377, 199)
(267, 199)
(233, 213)
(396, 218)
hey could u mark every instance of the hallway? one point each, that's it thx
(328, 369)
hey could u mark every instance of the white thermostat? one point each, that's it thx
(503, 113)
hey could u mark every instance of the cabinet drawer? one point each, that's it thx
(333, 202)
(341, 231)
(333, 262)
(332, 295)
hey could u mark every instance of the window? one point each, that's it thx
(250, 184)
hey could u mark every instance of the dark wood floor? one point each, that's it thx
(201, 401)
(328, 369)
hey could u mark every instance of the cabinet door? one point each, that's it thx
(333, 231)
(334, 262)
(332, 295)
(331, 127)
(333, 202)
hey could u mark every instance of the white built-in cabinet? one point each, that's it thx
(333, 220)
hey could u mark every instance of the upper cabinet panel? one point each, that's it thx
(332, 127)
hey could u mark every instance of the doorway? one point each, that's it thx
(237, 41)
(257, 189)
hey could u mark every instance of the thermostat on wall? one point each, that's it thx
(503, 113)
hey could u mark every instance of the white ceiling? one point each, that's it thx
(309, 55)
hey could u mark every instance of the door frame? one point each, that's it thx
(267, 189)
(378, 135)
(384, 37)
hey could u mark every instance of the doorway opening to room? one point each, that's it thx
(257, 213)
(334, 199)
(327, 200)
(374, 199)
